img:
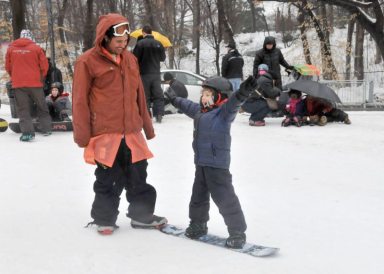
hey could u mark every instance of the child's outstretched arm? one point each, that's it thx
(187, 106)
(231, 107)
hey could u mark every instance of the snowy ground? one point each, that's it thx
(315, 192)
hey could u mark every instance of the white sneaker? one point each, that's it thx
(106, 229)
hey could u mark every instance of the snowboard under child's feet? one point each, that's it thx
(154, 222)
(196, 230)
(236, 240)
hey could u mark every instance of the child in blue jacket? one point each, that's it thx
(211, 144)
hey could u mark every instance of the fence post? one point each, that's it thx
(370, 91)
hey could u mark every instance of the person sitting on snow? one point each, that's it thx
(320, 111)
(295, 109)
(211, 144)
(58, 102)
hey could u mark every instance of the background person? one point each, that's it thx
(27, 65)
(232, 66)
(58, 102)
(149, 53)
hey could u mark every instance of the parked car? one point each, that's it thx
(192, 82)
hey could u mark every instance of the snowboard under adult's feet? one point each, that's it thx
(250, 249)
(56, 126)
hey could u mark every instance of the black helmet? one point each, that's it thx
(58, 85)
(219, 84)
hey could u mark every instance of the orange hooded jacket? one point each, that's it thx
(108, 102)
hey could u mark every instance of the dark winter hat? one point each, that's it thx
(219, 84)
(59, 86)
(168, 76)
(231, 45)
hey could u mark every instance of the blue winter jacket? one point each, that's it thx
(211, 133)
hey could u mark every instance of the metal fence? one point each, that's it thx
(351, 92)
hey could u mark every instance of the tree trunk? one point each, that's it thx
(253, 12)
(215, 35)
(378, 58)
(329, 69)
(60, 24)
(196, 32)
(348, 50)
(18, 17)
(303, 36)
(151, 18)
(359, 52)
(89, 29)
(228, 33)
(169, 27)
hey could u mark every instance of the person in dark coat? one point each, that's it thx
(211, 144)
(273, 58)
(257, 104)
(232, 66)
(149, 53)
(54, 75)
(176, 85)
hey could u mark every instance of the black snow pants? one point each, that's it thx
(153, 93)
(110, 183)
(216, 182)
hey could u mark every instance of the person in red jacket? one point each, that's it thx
(27, 65)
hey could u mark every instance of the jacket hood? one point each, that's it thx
(269, 40)
(104, 23)
(22, 42)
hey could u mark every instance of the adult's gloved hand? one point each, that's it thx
(246, 88)
(170, 94)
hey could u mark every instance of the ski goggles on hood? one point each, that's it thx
(121, 29)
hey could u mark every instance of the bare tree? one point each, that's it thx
(60, 23)
(196, 32)
(348, 50)
(89, 28)
(359, 52)
(18, 17)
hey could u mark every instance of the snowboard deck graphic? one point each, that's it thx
(249, 248)
(56, 126)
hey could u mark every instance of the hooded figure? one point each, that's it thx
(27, 65)
(272, 57)
(109, 114)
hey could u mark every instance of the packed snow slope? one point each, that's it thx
(315, 192)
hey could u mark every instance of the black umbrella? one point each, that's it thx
(314, 89)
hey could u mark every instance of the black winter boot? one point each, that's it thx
(196, 230)
(236, 240)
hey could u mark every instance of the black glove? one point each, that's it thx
(170, 94)
(246, 88)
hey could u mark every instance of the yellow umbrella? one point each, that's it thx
(157, 35)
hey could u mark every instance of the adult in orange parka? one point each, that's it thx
(109, 113)
(27, 65)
